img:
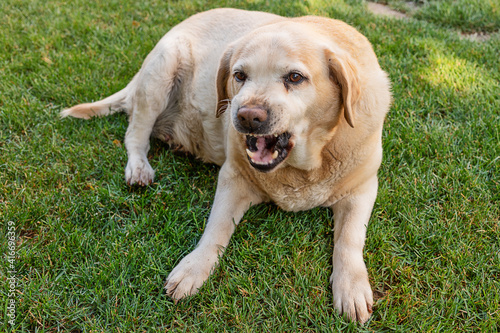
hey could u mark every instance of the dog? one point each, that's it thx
(292, 109)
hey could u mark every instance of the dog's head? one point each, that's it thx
(287, 89)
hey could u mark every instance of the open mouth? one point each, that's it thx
(265, 152)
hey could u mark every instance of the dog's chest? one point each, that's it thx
(300, 194)
(298, 199)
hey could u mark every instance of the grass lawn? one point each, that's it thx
(92, 254)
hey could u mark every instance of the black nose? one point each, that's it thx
(252, 118)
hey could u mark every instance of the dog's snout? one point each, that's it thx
(252, 118)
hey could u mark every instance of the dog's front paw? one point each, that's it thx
(352, 295)
(190, 274)
(138, 171)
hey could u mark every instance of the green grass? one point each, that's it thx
(467, 16)
(93, 254)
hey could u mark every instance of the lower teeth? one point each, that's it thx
(252, 154)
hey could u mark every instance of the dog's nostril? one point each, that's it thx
(251, 118)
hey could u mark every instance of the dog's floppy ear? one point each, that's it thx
(343, 71)
(223, 74)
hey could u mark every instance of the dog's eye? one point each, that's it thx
(294, 78)
(240, 76)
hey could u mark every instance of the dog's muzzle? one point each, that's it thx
(265, 151)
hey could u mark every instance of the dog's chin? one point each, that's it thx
(266, 152)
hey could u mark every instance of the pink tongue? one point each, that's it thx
(262, 155)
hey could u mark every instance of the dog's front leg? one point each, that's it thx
(352, 295)
(232, 199)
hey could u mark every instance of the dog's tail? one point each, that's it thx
(118, 102)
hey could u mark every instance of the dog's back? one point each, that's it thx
(183, 66)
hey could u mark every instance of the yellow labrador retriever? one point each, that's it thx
(291, 108)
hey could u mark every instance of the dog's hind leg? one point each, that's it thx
(155, 86)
